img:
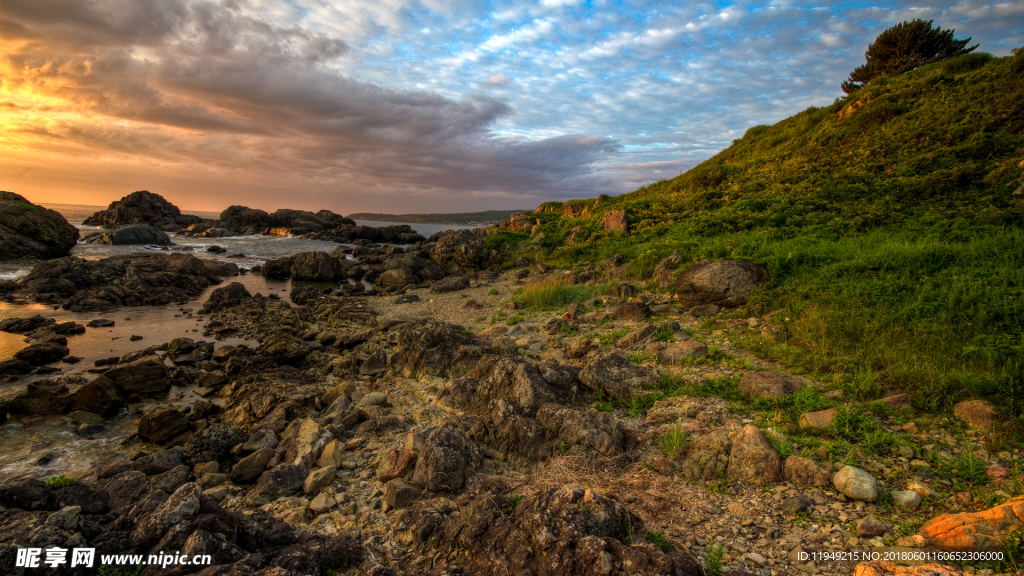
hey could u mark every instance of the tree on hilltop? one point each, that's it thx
(902, 48)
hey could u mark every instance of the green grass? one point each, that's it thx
(511, 503)
(713, 561)
(660, 541)
(673, 441)
(891, 237)
(553, 292)
(61, 481)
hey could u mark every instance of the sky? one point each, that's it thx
(412, 106)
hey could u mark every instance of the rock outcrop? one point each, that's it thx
(31, 231)
(727, 283)
(140, 279)
(142, 207)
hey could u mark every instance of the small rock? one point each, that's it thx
(796, 504)
(319, 478)
(906, 498)
(922, 490)
(819, 420)
(856, 484)
(871, 527)
(399, 494)
(322, 503)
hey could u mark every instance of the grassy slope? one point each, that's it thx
(892, 235)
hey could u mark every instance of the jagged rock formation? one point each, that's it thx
(28, 230)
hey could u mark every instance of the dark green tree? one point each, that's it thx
(904, 47)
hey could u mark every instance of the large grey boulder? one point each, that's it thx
(147, 375)
(227, 297)
(142, 207)
(753, 459)
(727, 283)
(28, 230)
(856, 484)
(282, 480)
(617, 375)
(442, 465)
(396, 278)
(318, 267)
(134, 235)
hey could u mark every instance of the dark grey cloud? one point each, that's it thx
(203, 82)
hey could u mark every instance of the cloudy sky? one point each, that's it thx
(415, 105)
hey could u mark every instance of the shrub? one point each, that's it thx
(673, 441)
(551, 292)
(61, 481)
(659, 540)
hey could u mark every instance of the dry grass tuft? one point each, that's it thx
(659, 500)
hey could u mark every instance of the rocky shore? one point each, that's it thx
(429, 422)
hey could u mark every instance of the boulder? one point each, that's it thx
(856, 484)
(252, 466)
(796, 504)
(142, 207)
(665, 270)
(278, 482)
(442, 465)
(147, 375)
(162, 423)
(40, 354)
(227, 297)
(906, 498)
(615, 220)
(158, 462)
(14, 367)
(819, 420)
(31, 231)
(800, 470)
(727, 283)
(766, 385)
(617, 375)
(972, 531)
(99, 397)
(25, 325)
(318, 267)
(319, 479)
(303, 442)
(677, 352)
(396, 279)
(400, 494)
(395, 463)
(753, 459)
(450, 284)
(555, 531)
(172, 479)
(707, 458)
(871, 527)
(211, 443)
(42, 397)
(134, 235)
(578, 346)
(631, 311)
(461, 251)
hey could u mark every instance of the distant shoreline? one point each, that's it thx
(453, 219)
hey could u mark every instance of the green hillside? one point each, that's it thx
(891, 221)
